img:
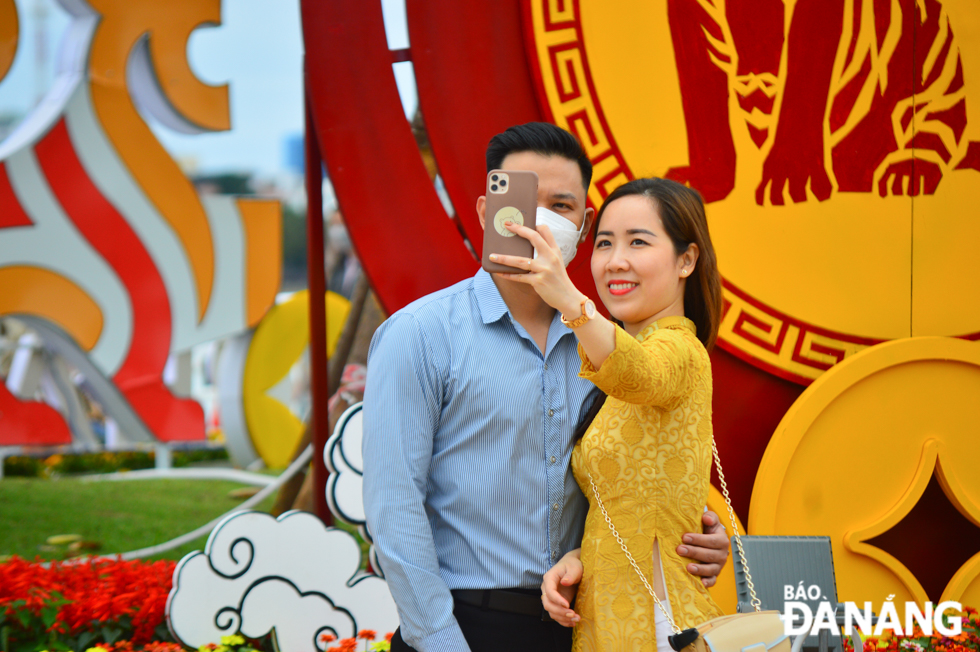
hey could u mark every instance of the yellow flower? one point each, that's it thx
(234, 639)
(97, 648)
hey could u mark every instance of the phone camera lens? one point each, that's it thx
(494, 177)
(493, 187)
(503, 182)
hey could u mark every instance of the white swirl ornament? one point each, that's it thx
(292, 576)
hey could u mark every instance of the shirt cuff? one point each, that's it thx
(448, 639)
(606, 377)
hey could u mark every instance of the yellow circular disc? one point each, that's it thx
(279, 342)
(507, 214)
(854, 454)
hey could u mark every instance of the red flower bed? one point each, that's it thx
(112, 604)
(69, 605)
(968, 640)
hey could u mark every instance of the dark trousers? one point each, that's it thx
(494, 631)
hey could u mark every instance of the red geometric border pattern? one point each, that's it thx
(784, 346)
(560, 14)
(568, 96)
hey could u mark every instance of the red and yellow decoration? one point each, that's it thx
(833, 140)
(836, 143)
(102, 235)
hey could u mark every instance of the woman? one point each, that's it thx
(648, 449)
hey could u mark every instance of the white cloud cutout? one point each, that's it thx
(342, 456)
(291, 574)
(345, 486)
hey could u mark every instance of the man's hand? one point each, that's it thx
(559, 587)
(709, 550)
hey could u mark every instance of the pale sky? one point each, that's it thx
(258, 49)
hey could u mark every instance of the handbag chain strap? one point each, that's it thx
(756, 603)
(636, 567)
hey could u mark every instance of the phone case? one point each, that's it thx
(511, 195)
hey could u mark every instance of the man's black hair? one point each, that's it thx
(541, 138)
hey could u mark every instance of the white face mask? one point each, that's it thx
(566, 235)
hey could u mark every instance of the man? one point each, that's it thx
(471, 401)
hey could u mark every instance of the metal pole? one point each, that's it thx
(319, 392)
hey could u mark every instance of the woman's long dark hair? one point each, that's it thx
(682, 212)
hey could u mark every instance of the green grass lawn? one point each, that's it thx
(121, 516)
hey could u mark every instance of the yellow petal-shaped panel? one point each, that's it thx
(279, 342)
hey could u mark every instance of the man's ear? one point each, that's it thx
(587, 224)
(481, 210)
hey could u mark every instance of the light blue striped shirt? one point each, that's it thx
(467, 443)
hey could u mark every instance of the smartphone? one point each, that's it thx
(512, 195)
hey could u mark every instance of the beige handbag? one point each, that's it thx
(756, 631)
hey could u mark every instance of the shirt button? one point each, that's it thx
(553, 459)
(551, 413)
(554, 554)
(555, 507)
(546, 366)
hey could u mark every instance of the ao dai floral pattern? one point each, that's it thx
(649, 452)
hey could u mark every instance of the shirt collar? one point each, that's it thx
(674, 321)
(488, 299)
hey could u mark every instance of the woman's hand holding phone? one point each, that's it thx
(546, 273)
